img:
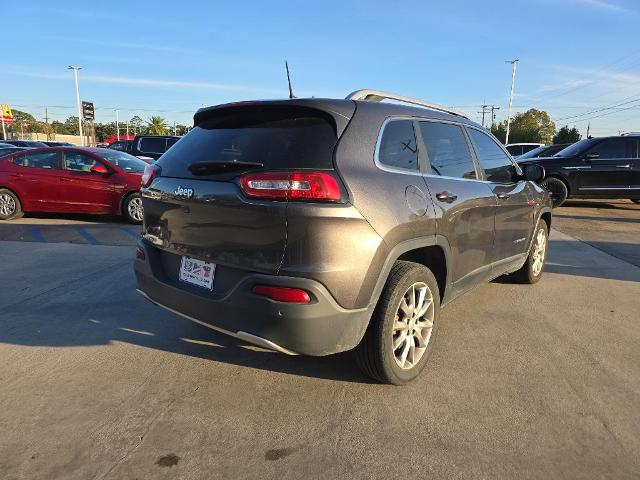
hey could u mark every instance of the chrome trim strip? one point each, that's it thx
(378, 95)
(605, 188)
(247, 337)
(576, 168)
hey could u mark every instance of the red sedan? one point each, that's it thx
(71, 179)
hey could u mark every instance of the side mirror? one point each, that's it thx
(99, 169)
(533, 173)
(591, 156)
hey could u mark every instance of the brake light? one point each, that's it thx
(151, 171)
(282, 294)
(297, 185)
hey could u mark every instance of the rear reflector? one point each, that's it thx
(151, 171)
(298, 185)
(282, 294)
(140, 254)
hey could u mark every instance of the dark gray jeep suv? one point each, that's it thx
(315, 226)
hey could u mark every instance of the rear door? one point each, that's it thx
(37, 176)
(465, 205)
(202, 212)
(609, 170)
(82, 190)
(514, 212)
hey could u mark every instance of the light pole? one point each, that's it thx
(513, 63)
(117, 125)
(75, 75)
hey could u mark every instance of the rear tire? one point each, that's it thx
(406, 318)
(531, 271)
(132, 208)
(10, 207)
(557, 189)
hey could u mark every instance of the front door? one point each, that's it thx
(514, 212)
(610, 166)
(465, 205)
(84, 191)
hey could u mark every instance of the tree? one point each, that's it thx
(157, 126)
(532, 126)
(567, 135)
(136, 125)
(70, 126)
(23, 121)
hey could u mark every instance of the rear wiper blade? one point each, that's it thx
(221, 166)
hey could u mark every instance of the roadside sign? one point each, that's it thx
(7, 114)
(88, 112)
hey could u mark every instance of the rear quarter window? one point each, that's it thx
(279, 139)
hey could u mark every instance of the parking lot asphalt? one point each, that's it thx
(524, 381)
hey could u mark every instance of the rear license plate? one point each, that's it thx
(197, 272)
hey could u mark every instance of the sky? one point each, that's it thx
(578, 59)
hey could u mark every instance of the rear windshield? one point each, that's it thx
(278, 139)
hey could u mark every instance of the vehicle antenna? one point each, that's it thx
(291, 95)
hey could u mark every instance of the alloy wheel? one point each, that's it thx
(135, 209)
(412, 325)
(7, 205)
(539, 250)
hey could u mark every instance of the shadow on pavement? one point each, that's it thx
(601, 219)
(611, 204)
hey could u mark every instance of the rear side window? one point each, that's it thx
(496, 164)
(279, 139)
(447, 150)
(38, 160)
(152, 145)
(398, 148)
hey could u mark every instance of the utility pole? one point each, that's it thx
(174, 128)
(75, 75)
(485, 109)
(513, 63)
(127, 129)
(493, 113)
(117, 126)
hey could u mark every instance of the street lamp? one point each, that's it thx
(513, 84)
(75, 75)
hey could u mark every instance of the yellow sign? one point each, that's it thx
(7, 114)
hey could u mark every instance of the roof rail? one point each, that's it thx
(378, 96)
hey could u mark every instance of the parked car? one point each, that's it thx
(517, 149)
(604, 167)
(544, 151)
(58, 144)
(6, 150)
(121, 145)
(24, 143)
(313, 226)
(73, 180)
(150, 147)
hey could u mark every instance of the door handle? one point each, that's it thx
(623, 166)
(446, 197)
(62, 179)
(503, 196)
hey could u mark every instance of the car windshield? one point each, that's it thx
(576, 148)
(126, 162)
(532, 153)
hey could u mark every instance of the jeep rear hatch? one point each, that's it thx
(220, 193)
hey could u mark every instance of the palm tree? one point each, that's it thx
(157, 125)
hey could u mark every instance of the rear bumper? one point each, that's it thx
(319, 328)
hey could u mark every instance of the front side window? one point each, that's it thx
(614, 148)
(398, 147)
(496, 164)
(448, 150)
(38, 160)
(78, 162)
(153, 145)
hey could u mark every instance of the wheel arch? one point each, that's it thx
(433, 252)
(563, 179)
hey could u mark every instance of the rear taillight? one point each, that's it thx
(282, 294)
(151, 171)
(297, 185)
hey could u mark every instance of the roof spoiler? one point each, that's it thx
(378, 96)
